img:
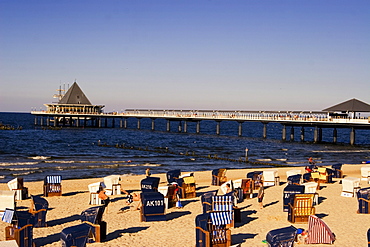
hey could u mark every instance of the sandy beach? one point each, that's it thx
(125, 229)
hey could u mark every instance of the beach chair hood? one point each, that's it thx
(150, 184)
(282, 237)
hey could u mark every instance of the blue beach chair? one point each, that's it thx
(21, 229)
(295, 179)
(150, 184)
(337, 168)
(173, 175)
(282, 237)
(206, 200)
(93, 216)
(363, 196)
(39, 209)
(289, 190)
(53, 185)
(153, 207)
(75, 236)
(218, 176)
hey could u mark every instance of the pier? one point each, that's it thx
(75, 110)
(288, 120)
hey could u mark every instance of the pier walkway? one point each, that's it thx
(317, 120)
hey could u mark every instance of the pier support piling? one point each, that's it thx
(198, 127)
(292, 133)
(168, 126)
(283, 137)
(302, 134)
(240, 129)
(185, 127)
(180, 127)
(138, 123)
(352, 136)
(335, 135)
(264, 134)
(218, 127)
(153, 124)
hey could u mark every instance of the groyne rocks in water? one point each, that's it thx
(192, 154)
(9, 127)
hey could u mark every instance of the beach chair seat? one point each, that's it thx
(271, 177)
(256, 177)
(149, 184)
(53, 185)
(282, 237)
(289, 191)
(21, 192)
(319, 232)
(93, 216)
(350, 186)
(295, 179)
(363, 197)
(218, 176)
(153, 207)
(337, 168)
(75, 236)
(39, 207)
(301, 207)
(112, 185)
(168, 192)
(94, 195)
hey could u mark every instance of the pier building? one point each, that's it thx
(75, 110)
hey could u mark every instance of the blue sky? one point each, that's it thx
(237, 55)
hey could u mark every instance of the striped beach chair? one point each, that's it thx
(319, 232)
(53, 185)
(224, 204)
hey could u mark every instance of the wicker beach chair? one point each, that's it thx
(363, 197)
(7, 200)
(39, 207)
(53, 185)
(206, 200)
(169, 195)
(212, 230)
(93, 216)
(256, 178)
(21, 192)
(337, 168)
(301, 207)
(94, 195)
(173, 175)
(112, 185)
(288, 192)
(149, 184)
(76, 236)
(319, 232)
(295, 179)
(271, 177)
(21, 229)
(218, 177)
(153, 207)
(282, 237)
(350, 186)
(224, 203)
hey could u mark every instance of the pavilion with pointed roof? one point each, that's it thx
(352, 105)
(74, 101)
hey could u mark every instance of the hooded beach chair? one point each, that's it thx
(93, 216)
(75, 236)
(282, 237)
(319, 232)
(21, 192)
(173, 175)
(337, 169)
(20, 230)
(53, 185)
(311, 188)
(325, 175)
(256, 177)
(271, 177)
(211, 230)
(112, 185)
(288, 191)
(365, 172)
(223, 187)
(293, 172)
(7, 200)
(300, 207)
(363, 197)
(149, 184)
(224, 203)
(306, 177)
(218, 176)
(169, 194)
(242, 188)
(153, 207)
(206, 200)
(94, 195)
(350, 186)
(39, 207)
(188, 186)
(295, 179)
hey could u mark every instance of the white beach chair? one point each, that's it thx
(365, 172)
(293, 172)
(112, 186)
(311, 188)
(271, 177)
(223, 187)
(350, 186)
(7, 200)
(16, 185)
(94, 195)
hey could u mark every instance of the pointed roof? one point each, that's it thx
(352, 105)
(75, 95)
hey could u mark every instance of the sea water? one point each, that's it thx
(34, 151)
